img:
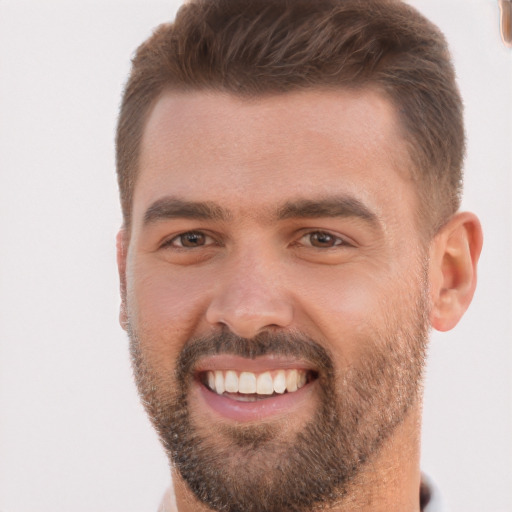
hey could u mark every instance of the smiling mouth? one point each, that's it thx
(247, 386)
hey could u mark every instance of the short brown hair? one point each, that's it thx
(256, 47)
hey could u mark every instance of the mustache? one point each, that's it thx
(294, 345)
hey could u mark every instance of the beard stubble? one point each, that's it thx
(254, 468)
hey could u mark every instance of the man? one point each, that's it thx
(290, 176)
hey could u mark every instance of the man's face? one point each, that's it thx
(276, 291)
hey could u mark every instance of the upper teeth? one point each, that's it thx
(265, 383)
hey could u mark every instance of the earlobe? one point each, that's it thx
(454, 254)
(121, 250)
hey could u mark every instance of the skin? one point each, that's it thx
(258, 271)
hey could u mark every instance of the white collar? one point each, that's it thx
(435, 502)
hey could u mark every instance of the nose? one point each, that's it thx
(249, 298)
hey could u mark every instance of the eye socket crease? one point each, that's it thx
(170, 208)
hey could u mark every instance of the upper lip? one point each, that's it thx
(259, 364)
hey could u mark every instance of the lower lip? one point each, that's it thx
(266, 408)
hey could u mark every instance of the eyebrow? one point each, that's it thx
(344, 206)
(168, 208)
(173, 208)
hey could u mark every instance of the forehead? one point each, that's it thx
(260, 152)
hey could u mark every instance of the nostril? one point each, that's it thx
(249, 317)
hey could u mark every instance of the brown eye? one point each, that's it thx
(322, 240)
(190, 240)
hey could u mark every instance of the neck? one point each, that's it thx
(390, 481)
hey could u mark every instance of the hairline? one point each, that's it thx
(413, 172)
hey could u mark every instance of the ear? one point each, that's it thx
(122, 250)
(454, 254)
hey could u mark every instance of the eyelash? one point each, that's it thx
(180, 237)
(338, 241)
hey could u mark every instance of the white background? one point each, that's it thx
(73, 436)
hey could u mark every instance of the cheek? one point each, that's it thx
(167, 306)
(343, 295)
(345, 306)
